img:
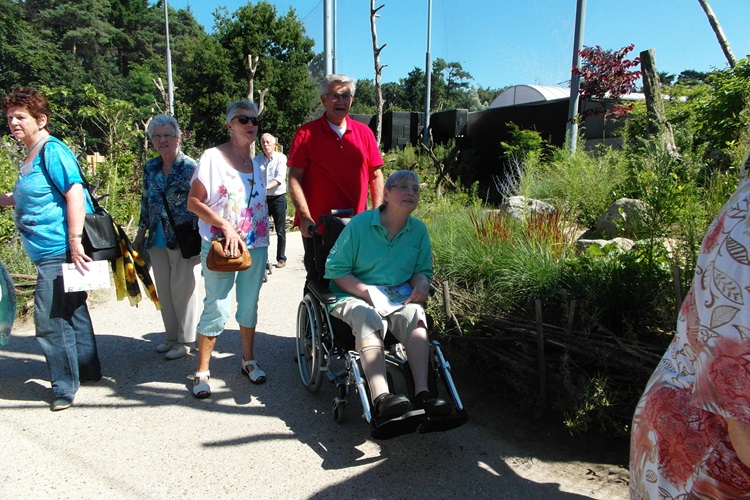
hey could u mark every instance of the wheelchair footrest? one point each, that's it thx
(443, 423)
(407, 423)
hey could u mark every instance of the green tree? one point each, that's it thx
(722, 114)
(692, 77)
(81, 28)
(284, 52)
(364, 102)
(23, 60)
(393, 96)
(206, 86)
(450, 89)
(450, 84)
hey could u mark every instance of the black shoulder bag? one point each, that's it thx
(188, 238)
(100, 238)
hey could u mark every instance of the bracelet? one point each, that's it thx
(73, 236)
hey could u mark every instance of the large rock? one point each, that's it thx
(624, 244)
(624, 218)
(520, 207)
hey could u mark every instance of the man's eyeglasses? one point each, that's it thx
(339, 97)
(405, 188)
(243, 119)
(159, 137)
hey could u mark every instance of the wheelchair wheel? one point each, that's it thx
(309, 348)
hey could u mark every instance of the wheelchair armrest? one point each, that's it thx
(321, 292)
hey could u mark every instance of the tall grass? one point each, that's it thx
(498, 264)
(580, 184)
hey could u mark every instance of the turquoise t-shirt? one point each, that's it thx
(364, 250)
(40, 208)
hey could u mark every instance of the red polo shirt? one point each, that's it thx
(338, 171)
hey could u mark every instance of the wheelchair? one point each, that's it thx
(325, 350)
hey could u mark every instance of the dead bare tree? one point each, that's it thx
(164, 95)
(378, 70)
(252, 64)
(723, 42)
(658, 126)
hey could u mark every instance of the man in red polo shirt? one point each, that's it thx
(333, 161)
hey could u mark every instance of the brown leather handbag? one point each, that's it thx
(218, 261)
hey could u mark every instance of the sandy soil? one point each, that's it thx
(139, 433)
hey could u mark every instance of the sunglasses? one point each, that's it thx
(243, 119)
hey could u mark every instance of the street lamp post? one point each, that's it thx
(427, 77)
(575, 80)
(170, 88)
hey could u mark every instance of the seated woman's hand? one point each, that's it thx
(420, 289)
(417, 296)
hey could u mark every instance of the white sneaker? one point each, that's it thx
(177, 351)
(166, 346)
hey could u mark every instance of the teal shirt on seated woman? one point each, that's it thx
(364, 250)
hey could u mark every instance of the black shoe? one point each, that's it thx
(432, 405)
(389, 405)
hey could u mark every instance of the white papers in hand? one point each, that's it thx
(387, 299)
(96, 277)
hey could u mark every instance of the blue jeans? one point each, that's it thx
(277, 211)
(64, 330)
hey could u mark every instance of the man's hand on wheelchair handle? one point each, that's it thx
(307, 226)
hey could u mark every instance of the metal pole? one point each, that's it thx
(575, 80)
(170, 88)
(327, 37)
(335, 35)
(427, 77)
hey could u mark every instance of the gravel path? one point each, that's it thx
(140, 434)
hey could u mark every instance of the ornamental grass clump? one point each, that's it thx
(498, 264)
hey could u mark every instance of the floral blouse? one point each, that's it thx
(679, 442)
(237, 197)
(176, 186)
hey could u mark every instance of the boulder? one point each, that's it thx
(623, 219)
(623, 244)
(519, 207)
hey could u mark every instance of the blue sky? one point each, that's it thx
(510, 42)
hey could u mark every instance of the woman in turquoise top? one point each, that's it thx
(50, 205)
(378, 250)
(168, 177)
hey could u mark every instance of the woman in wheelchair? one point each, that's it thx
(381, 248)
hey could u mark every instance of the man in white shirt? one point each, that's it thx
(274, 164)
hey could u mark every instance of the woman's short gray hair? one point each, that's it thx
(232, 108)
(346, 80)
(163, 121)
(399, 176)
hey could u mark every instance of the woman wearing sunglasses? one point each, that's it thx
(228, 194)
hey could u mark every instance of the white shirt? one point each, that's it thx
(274, 169)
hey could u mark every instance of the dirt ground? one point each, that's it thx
(139, 433)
